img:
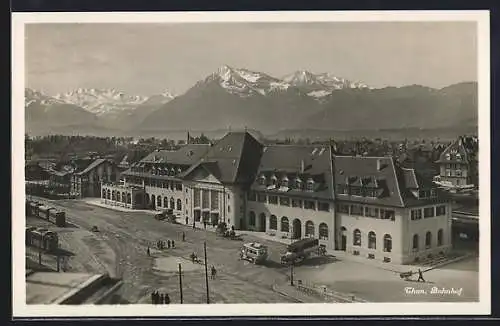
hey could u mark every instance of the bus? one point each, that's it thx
(302, 249)
(254, 252)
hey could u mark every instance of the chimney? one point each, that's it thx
(379, 165)
(301, 166)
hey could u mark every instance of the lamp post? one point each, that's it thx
(206, 271)
(180, 282)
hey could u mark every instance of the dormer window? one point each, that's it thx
(179, 170)
(262, 180)
(448, 156)
(298, 183)
(274, 180)
(172, 171)
(458, 156)
(284, 182)
(310, 184)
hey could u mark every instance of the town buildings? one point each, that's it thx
(87, 182)
(366, 206)
(459, 162)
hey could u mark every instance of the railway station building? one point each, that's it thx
(366, 206)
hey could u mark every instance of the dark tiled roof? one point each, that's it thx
(92, 165)
(288, 160)
(186, 155)
(233, 159)
(363, 167)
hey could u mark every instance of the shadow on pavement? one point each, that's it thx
(315, 261)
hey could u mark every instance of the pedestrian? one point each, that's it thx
(420, 276)
(167, 298)
(204, 224)
(193, 224)
(173, 244)
(153, 297)
(156, 297)
(168, 244)
(149, 253)
(162, 299)
(214, 272)
(187, 220)
(183, 236)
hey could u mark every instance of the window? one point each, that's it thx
(440, 238)
(179, 205)
(416, 214)
(388, 214)
(325, 207)
(415, 242)
(204, 199)
(448, 173)
(252, 196)
(309, 229)
(387, 243)
(178, 186)
(355, 191)
(118, 197)
(273, 222)
(284, 182)
(429, 212)
(251, 220)
(104, 193)
(129, 198)
(285, 225)
(274, 180)
(458, 173)
(262, 198)
(229, 209)
(343, 189)
(158, 201)
(310, 185)
(428, 240)
(284, 201)
(296, 203)
(371, 212)
(356, 238)
(273, 199)
(372, 240)
(343, 208)
(440, 210)
(298, 184)
(309, 204)
(172, 203)
(214, 199)
(113, 196)
(356, 210)
(124, 197)
(323, 231)
(371, 256)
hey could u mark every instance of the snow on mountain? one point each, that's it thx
(108, 101)
(32, 96)
(245, 83)
(320, 85)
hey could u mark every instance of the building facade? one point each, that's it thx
(366, 206)
(88, 182)
(458, 162)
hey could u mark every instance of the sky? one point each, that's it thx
(146, 58)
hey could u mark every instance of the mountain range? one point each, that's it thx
(237, 98)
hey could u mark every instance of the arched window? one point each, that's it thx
(251, 220)
(165, 202)
(440, 238)
(104, 193)
(124, 197)
(415, 242)
(113, 195)
(118, 197)
(172, 203)
(323, 231)
(310, 229)
(428, 239)
(158, 201)
(356, 240)
(285, 225)
(387, 243)
(372, 240)
(179, 205)
(109, 194)
(129, 198)
(273, 222)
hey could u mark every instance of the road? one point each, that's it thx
(121, 244)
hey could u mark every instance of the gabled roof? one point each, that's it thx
(297, 161)
(233, 159)
(185, 155)
(465, 146)
(92, 166)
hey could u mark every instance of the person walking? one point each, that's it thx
(162, 299)
(148, 252)
(193, 225)
(168, 244)
(420, 276)
(173, 244)
(156, 297)
(167, 298)
(187, 220)
(205, 224)
(183, 236)
(153, 297)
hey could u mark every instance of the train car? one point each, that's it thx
(33, 208)
(28, 237)
(44, 212)
(57, 217)
(43, 239)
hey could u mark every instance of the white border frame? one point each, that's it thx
(20, 309)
